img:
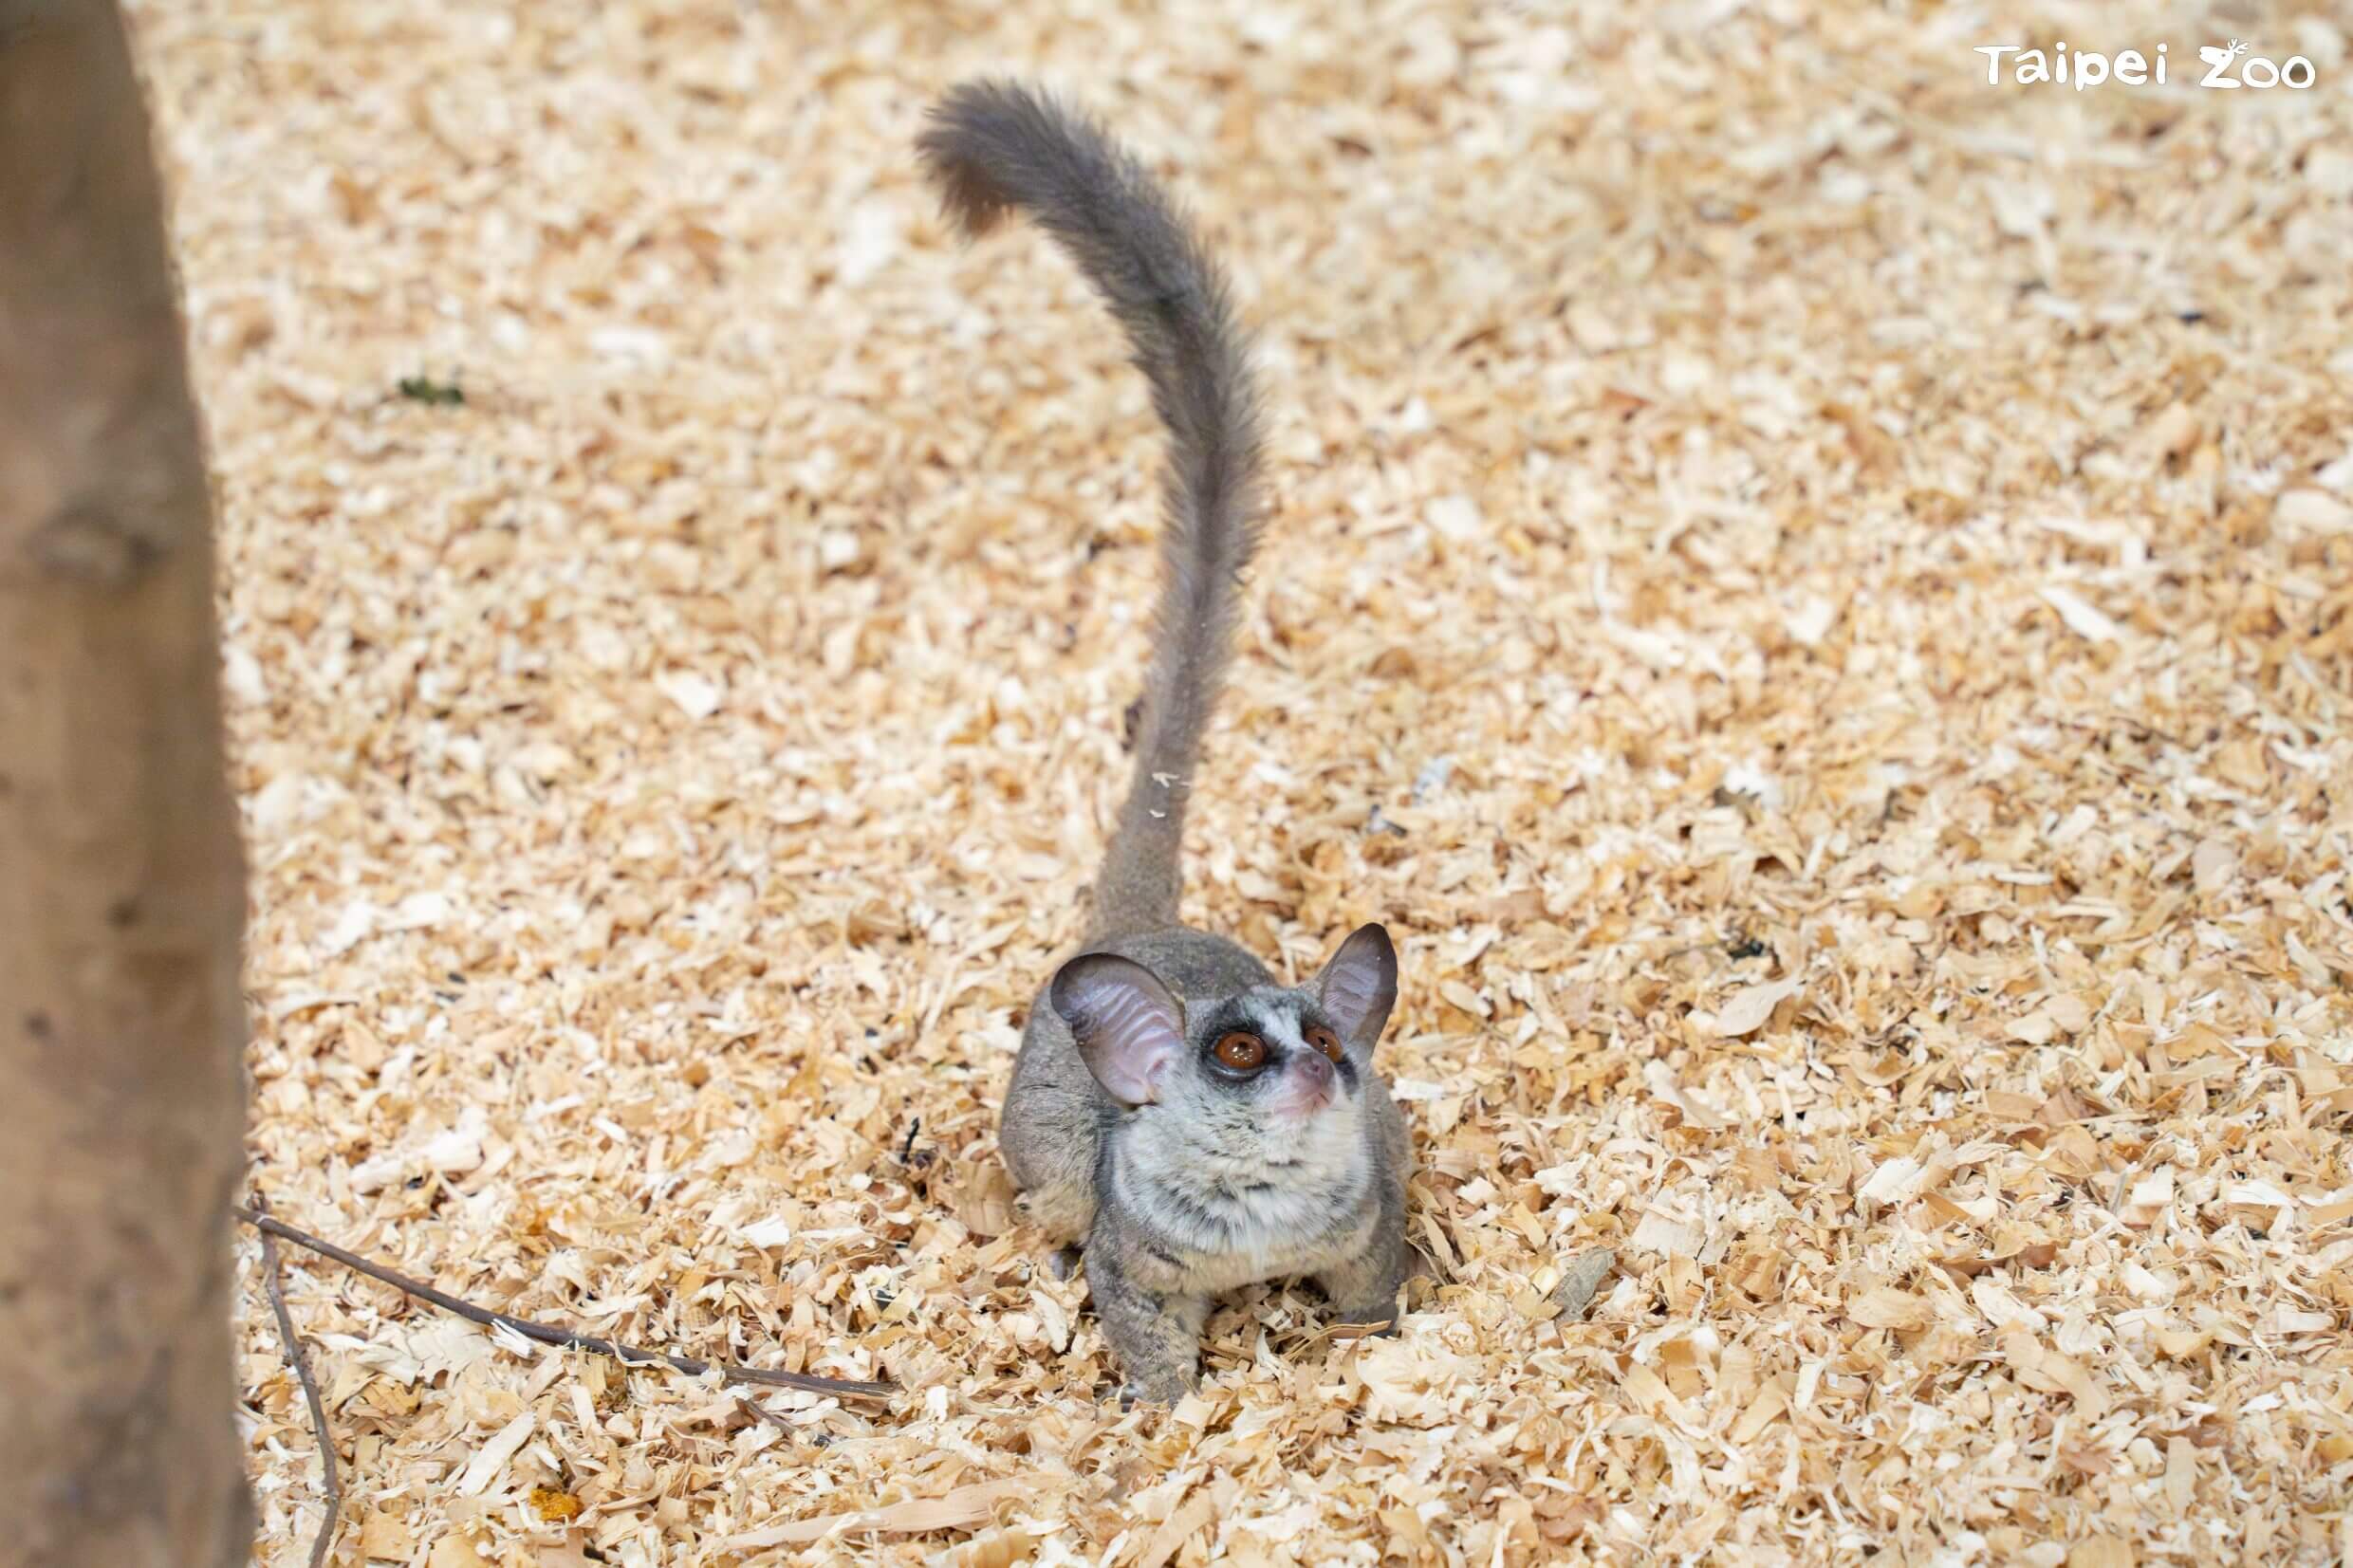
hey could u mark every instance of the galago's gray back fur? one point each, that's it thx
(994, 146)
(1199, 1126)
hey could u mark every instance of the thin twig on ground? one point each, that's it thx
(562, 1338)
(273, 1280)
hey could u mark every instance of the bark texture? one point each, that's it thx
(121, 895)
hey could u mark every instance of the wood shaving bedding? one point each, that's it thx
(1813, 595)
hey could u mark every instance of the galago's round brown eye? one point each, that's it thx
(1244, 1053)
(1326, 1041)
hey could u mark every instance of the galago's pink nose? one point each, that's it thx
(1306, 1085)
(1313, 1071)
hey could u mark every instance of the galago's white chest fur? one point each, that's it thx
(1234, 1202)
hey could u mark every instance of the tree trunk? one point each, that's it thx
(122, 895)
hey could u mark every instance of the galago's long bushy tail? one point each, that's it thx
(994, 146)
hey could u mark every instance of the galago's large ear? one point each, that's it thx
(1359, 986)
(1129, 1028)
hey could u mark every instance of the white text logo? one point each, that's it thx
(2229, 68)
